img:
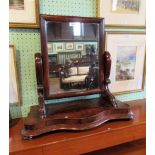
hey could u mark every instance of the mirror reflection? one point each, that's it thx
(73, 56)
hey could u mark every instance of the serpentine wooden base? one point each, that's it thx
(77, 115)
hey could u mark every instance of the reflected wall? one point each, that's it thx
(72, 56)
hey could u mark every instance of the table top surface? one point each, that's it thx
(131, 148)
(17, 143)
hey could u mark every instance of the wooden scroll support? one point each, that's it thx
(107, 67)
(40, 89)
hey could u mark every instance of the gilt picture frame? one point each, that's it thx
(127, 51)
(24, 13)
(123, 13)
(69, 46)
(59, 47)
(14, 96)
(79, 46)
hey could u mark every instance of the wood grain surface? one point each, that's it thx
(75, 143)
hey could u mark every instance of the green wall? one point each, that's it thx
(27, 42)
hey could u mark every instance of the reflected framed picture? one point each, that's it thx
(59, 47)
(13, 77)
(50, 47)
(129, 13)
(128, 61)
(69, 46)
(79, 46)
(24, 13)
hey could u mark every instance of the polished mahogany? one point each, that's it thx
(74, 143)
(75, 115)
(44, 40)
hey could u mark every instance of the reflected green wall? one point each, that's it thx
(27, 42)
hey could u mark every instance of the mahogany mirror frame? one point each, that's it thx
(73, 115)
(44, 49)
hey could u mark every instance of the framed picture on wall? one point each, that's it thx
(79, 46)
(123, 12)
(13, 77)
(59, 47)
(128, 61)
(50, 47)
(24, 13)
(69, 46)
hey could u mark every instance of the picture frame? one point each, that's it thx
(69, 46)
(79, 46)
(123, 13)
(14, 97)
(59, 47)
(127, 51)
(24, 14)
(50, 47)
